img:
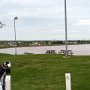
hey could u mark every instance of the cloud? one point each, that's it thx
(53, 30)
(37, 12)
(32, 8)
(83, 22)
(50, 3)
(74, 31)
(3, 2)
(44, 17)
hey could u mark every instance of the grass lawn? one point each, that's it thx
(47, 72)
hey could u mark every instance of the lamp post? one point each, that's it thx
(15, 18)
(66, 46)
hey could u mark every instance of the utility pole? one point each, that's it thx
(66, 46)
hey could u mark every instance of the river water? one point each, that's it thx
(83, 49)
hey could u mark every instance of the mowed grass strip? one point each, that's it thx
(47, 72)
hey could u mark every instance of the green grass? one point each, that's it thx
(47, 72)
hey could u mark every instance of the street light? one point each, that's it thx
(66, 46)
(15, 18)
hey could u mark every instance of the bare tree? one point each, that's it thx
(1, 24)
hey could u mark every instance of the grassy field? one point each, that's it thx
(47, 72)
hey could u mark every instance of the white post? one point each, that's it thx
(68, 81)
(8, 82)
(0, 86)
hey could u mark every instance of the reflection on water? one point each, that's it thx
(77, 49)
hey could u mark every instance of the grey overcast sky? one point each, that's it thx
(44, 19)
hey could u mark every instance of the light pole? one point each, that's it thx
(66, 46)
(15, 18)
